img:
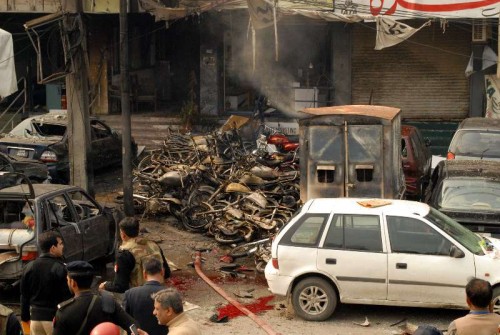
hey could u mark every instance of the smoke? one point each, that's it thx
(300, 48)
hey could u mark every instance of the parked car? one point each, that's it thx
(469, 192)
(377, 252)
(89, 230)
(35, 171)
(45, 138)
(417, 161)
(476, 138)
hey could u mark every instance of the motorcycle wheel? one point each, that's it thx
(195, 219)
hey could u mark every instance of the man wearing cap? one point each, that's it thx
(129, 259)
(43, 285)
(79, 315)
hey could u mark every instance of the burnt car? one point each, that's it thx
(35, 171)
(469, 192)
(88, 229)
(417, 161)
(476, 138)
(44, 138)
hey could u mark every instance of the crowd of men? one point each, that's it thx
(58, 299)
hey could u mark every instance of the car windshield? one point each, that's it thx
(39, 129)
(474, 194)
(480, 144)
(461, 234)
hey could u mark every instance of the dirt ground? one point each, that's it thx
(179, 247)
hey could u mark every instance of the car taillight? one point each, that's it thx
(48, 157)
(450, 155)
(275, 263)
(29, 255)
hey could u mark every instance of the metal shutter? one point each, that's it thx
(423, 76)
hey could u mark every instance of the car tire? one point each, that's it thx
(496, 300)
(314, 299)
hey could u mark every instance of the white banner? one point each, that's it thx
(421, 8)
(390, 32)
(492, 96)
(8, 84)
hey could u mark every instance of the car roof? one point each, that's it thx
(366, 206)
(470, 168)
(22, 191)
(384, 112)
(52, 117)
(480, 123)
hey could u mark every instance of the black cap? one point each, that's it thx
(79, 268)
(427, 330)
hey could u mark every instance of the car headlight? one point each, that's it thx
(48, 157)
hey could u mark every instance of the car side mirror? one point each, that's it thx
(427, 142)
(456, 252)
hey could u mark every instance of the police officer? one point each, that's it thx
(79, 315)
(133, 251)
(9, 324)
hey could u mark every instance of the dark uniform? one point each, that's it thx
(88, 309)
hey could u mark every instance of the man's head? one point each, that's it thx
(51, 242)
(479, 293)
(80, 276)
(129, 227)
(152, 267)
(168, 304)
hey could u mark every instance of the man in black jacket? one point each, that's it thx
(43, 285)
(138, 302)
(79, 315)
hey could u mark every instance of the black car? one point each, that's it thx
(35, 171)
(469, 192)
(44, 138)
(88, 229)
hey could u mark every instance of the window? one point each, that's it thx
(364, 172)
(354, 232)
(59, 212)
(307, 231)
(326, 173)
(413, 236)
(99, 130)
(85, 207)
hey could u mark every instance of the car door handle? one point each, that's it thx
(331, 261)
(401, 265)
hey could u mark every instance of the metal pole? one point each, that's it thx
(128, 201)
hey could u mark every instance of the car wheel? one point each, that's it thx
(314, 299)
(496, 300)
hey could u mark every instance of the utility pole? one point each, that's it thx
(79, 140)
(128, 201)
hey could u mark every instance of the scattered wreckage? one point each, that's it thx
(214, 184)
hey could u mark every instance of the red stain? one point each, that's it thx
(181, 283)
(256, 307)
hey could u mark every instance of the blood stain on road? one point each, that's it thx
(256, 307)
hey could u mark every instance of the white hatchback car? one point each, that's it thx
(380, 252)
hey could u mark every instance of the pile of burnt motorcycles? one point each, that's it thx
(218, 184)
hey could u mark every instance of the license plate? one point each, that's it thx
(22, 153)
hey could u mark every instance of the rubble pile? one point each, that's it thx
(213, 184)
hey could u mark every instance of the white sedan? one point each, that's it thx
(380, 252)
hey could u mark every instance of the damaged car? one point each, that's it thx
(34, 170)
(469, 192)
(377, 252)
(45, 138)
(88, 229)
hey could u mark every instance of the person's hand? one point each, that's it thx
(141, 332)
(101, 285)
